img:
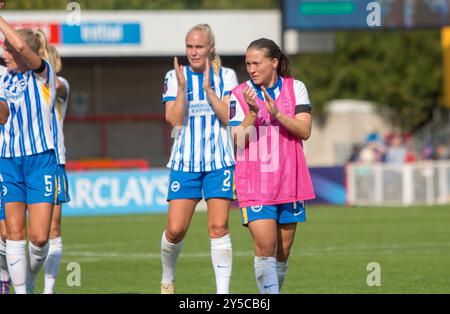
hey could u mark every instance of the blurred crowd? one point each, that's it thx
(397, 148)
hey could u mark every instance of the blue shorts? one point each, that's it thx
(281, 213)
(2, 203)
(63, 185)
(198, 185)
(30, 179)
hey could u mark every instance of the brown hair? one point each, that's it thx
(215, 62)
(272, 51)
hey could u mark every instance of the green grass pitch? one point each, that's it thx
(120, 254)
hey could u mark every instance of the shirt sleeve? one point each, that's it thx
(170, 87)
(236, 113)
(230, 81)
(65, 101)
(302, 102)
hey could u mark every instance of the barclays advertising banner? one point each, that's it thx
(117, 192)
(145, 191)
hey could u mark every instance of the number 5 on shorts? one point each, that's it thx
(48, 185)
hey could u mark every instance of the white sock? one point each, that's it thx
(4, 275)
(17, 264)
(169, 256)
(37, 256)
(266, 274)
(52, 263)
(281, 272)
(222, 258)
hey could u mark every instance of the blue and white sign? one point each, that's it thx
(364, 14)
(117, 192)
(102, 34)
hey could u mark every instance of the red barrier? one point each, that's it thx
(107, 164)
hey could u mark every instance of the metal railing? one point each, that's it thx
(424, 182)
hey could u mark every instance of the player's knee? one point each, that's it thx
(39, 240)
(55, 232)
(175, 234)
(283, 251)
(15, 234)
(217, 231)
(283, 254)
(265, 250)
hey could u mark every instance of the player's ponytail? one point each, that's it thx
(54, 58)
(216, 62)
(43, 45)
(36, 40)
(283, 69)
(272, 51)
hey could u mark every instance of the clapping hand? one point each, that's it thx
(179, 73)
(270, 103)
(206, 78)
(250, 97)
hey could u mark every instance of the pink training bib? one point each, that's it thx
(272, 169)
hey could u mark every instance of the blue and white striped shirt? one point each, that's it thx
(203, 143)
(30, 98)
(59, 113)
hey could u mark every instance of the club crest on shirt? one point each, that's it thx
(15, 88)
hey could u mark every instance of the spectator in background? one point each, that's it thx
(441, 152)
(410, 154)
(427, 152)
(356, 149)
(396, 151)
(373, 150)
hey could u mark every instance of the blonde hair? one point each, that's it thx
(216, 62)
(54, 58)
(36, 40)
